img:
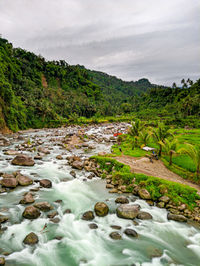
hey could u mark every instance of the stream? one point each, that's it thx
(70, 241)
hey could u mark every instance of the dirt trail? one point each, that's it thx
(157, 169)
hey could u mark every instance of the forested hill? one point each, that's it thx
(34, 91)
(119, 91)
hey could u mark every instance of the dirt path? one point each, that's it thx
(157, 168)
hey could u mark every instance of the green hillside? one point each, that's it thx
(35, 93)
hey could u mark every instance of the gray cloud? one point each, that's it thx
(131, 39)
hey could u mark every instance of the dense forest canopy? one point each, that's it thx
(34, 91)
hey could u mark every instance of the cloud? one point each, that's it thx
(130, 39)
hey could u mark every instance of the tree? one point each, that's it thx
(136, 128)
(144, 136)
(160, 134)
(174, 86)
(170, 148)
(194, 153)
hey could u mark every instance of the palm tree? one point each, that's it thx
(144, 136)
(194, 153)
(136, 127)
(160, 134)
(170, 148)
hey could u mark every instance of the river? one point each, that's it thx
(71, 242)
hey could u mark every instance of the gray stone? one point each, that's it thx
(128, 211)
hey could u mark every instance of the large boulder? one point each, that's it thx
(24, 180)
(23, 160)
(27, 199)
(31, 239)
(164, 199)
(176, 217)
(131, 232)
(88, 216)
(45, 183)
(101, 209)
(9, 182)
(31, 212)
(122, 200)
(144, 216)
(43, 206)
(126, 211)
(144, 194)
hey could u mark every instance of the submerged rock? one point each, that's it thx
(128, 211)
(122, 200)
(31, 212)
(101, 209)
(24, 180)
(43, 206)
(116, 227)
(88, 216)
(52, 214)
(176, 217)
(67, 211)
(9, 182)
(23, 160)
(115, 236)
(73, 173)
(11, 152)
(31, 239)
(131, 232)
(46, 183)
(144, 216)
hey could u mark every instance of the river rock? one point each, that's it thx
(77, 165)
(3, 219)
(43, 206)
(46, 183)
(67, 211)
(131, 232)
(55, 220)
(43, 150)
(164, 199)
(5, 175)
(27, 199)
(59, 157)
(122, 200)
(2, 261)
(116, 227)
(11, 152)
(31, 212)
(144, 216)
(9, 182)
(73, 173)
(115, 236)
(24, 180)
(176, 217)
(93, 226)
(144, 194)
(52, 214)
(31, 239)
(88, 216)
(126, 211)
(23, 160)
(101, 209)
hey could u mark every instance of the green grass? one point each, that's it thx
(183, 161)
(178, 193)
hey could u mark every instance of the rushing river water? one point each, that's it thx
(71, 242)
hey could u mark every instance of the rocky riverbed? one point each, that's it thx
(55, 211)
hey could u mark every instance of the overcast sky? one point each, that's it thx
(131, 39)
